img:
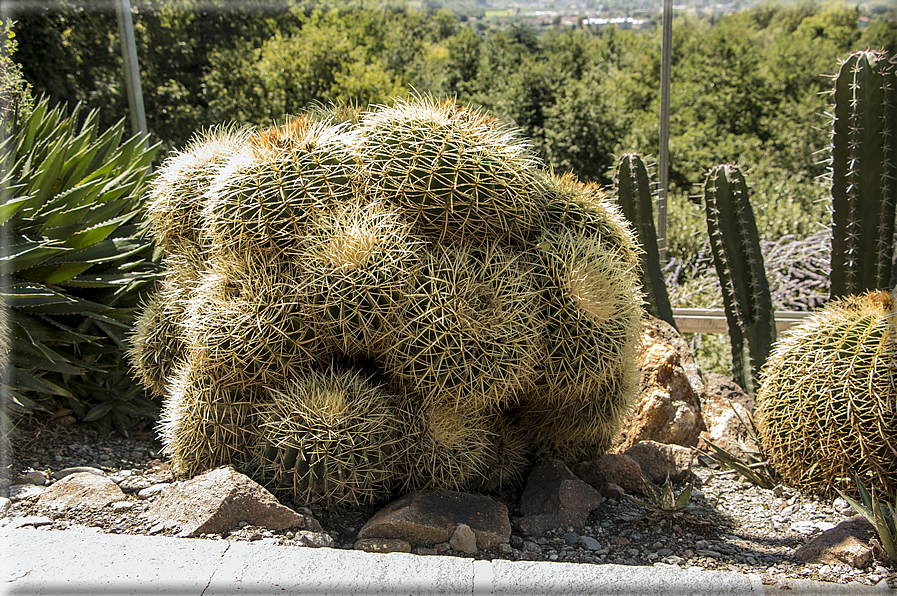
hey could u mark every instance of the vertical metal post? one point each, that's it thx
(666, 67)
(132, 67)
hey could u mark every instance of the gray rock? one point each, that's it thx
(83, 489)
(216, 501)
(424, 518)
(5, 504)
(122, 506)
(385, 545)
(555, 498)
(464, 540)
(60, 474)
(848, 543)
(659, 461)
(34, 477)
(314, 539)
(20, 492)
(723, 403)
(151, 491)
(590, 543)
(571, 538)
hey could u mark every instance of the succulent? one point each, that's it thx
(175, 203)
(445, 448)
(330, 437)
(864, 173)
(74, 264)
(249, 322)
(735, 244)
(589, 302)
(357, 264)
(367, 304)
(468, 334)
(827, 402)
(205, 424)
(456, 173)
(266, 196)
(634, 194)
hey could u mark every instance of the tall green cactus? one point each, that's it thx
(735, 244)
(633, 190)
(864, 173)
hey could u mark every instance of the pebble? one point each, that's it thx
(5, 504)
(31, 520)
(122, 506)
(34, 477)
(314, 539)
(590, 543)
(151, 491)
(60, 474)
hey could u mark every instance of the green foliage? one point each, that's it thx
(879, 513)
(739, 263)
(752, 465)
(864, 173)
(73, 262)
(15, 92)
(664, 499)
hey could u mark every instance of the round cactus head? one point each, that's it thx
(468, 334)
(357, 264)
(266, 196)
(827, 402)
(330, 438)
(179, 189)
(458, 176)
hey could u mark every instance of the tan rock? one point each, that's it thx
(464, 540)
(848, 543)
(424, 518)
(218, 500)
(659, 461)
(612, 468)
(669, 406)
(81, 489)
(724, 406)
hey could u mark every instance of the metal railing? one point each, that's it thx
(713, 320)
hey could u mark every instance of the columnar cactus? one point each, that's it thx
(864, 173)
(633, 192)
(735, 244)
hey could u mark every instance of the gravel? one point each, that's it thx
(735, 527)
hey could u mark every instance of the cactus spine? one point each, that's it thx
(864, 174)
(633, 190)
(735, 244)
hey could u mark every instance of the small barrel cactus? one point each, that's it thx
(827, 403)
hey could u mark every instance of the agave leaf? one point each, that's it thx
(98, 411)
(28, 253)
(9, 207)
(683, 497)
(25, 296)
(884, 529)
(27, 379)
(95, 234)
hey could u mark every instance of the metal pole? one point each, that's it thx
(132, 68)
(666, 67)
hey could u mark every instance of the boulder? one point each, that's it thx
(659, 461)
(218, 500)
(427, 517)
(724, 402)
(669, 406)
(81, 489)
(611, 469)
(848, 543)
(555, 498)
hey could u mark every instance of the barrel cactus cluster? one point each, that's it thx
(359, 304)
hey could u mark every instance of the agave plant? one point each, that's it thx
(72, 263)
(879, 513)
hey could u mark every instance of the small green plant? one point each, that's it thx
(754, 465)
(663, 499)
(880, 514)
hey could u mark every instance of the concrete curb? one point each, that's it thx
(49, 562)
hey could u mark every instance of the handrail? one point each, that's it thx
(713, 320)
